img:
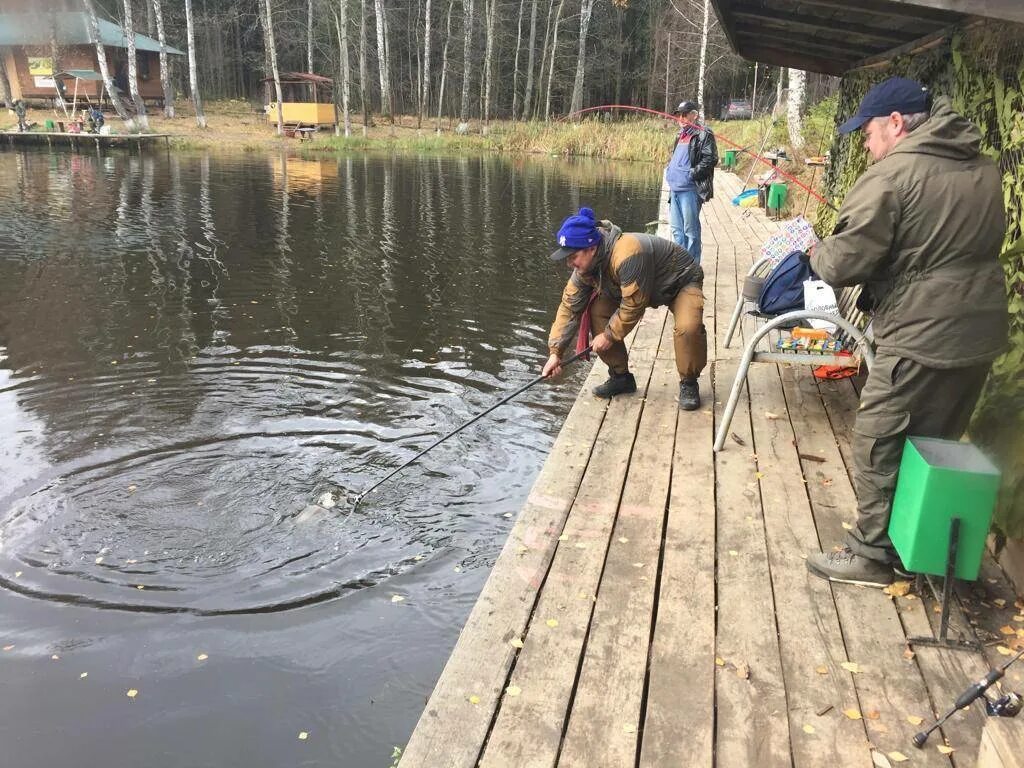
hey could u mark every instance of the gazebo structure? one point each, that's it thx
(306, 99)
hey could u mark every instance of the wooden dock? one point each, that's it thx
(651, 606)
(78, 141)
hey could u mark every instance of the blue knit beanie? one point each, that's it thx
(578, 231)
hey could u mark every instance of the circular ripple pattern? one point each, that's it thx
(207, 529)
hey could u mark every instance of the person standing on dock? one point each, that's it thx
(20, 111)
(922, 230)
(690, 175)
(616, 276)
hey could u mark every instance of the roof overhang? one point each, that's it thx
(836, 36)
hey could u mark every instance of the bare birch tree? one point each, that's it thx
(576, 103)
(515, 65)
(268, 28)
(425, 91)
(467, 58)
(528, 94)
(193, 75)
(444, 63)
(341, 21)
(133, 67)
(702, 69)
(491, 13)
(797, 80)
(165, 71)
(551, 65)
(362, 66)
(101, 58)
(544, 58)
(383, 62)
(55, 62)
(309, 36)
(5, 85)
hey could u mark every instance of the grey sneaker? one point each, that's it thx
(847, 567)
(616, 384)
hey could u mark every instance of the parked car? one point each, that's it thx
(737, 109)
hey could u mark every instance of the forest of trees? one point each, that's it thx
(463, 59)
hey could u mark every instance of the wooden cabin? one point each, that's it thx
(28, 61)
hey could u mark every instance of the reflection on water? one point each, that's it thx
(193, 350)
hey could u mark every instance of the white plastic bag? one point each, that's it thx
(819, 297)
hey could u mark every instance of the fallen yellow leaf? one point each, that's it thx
(1018, 618)
(8, 647)
(303, 735)
(898, 589)
(945, 750)
(851, 666)
(1008, 630)
(55, 657)
(552, 623)
(898, 757)
(770, 416)
(719, 661)
(1000, 602)
(202, 657)
(132, 693)
(623, 540)
(140, 586)
(759, 475)
(914, 719)
(848, 527)
(743, 671)
(516, 642)
(822, 670)
(397, 598)
(17, 574)
(563, 537)
(629, 728)
(874, 714)
(1001, 648)
(84, 674)
(474, 699)
(513, 690)
(808, 729)
(880, 760)
(853, 714)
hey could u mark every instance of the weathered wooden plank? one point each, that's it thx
(678, 727)
(751, 727)
(604, 724)
(527, 731)
(810, 638)
(889, 685)
(452, 728)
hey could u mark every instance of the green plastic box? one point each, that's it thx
(940, 480)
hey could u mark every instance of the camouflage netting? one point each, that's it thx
(982, 69)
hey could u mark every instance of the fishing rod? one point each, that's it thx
(1008, 705)
(584, 353)
(683, 121)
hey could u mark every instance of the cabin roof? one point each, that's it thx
(33, 28)
(836, 36)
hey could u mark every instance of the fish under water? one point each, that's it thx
(324, 502)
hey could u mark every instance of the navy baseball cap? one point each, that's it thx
(577, 232)
(897, 94)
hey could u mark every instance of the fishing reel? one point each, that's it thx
(1008, 705)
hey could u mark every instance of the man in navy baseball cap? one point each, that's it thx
(889, 111)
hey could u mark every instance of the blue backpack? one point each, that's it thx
(783, 289)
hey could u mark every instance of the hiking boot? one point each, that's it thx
(847, 567)
(689, 395)
(617, 384)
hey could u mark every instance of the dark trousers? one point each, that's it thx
(901, 397)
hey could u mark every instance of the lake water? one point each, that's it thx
(195, 348)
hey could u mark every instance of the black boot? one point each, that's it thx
(617, 384)
(689, 395)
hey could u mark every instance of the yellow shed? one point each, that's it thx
(306, 99)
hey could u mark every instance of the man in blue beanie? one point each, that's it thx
(616, 276)
(921, 230)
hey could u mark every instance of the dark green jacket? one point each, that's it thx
(922, 230)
